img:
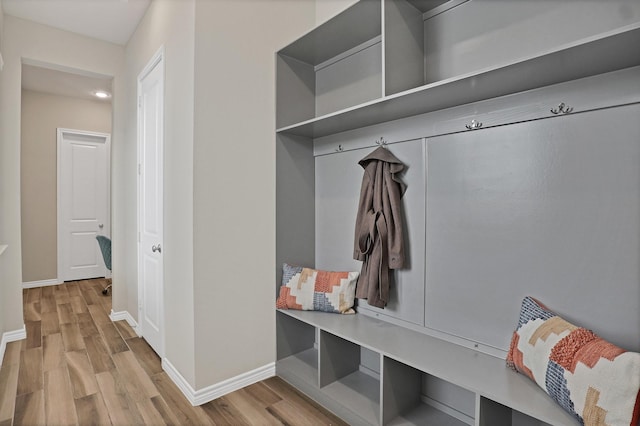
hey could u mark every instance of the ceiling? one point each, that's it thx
(113, 21)
(47, 80)
(109, 20)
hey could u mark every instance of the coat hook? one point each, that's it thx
(474, 125)
(562, 108)
(381, 142)
(339, 148)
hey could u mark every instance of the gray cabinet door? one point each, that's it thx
(547, 208)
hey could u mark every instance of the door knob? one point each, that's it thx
(156, 248)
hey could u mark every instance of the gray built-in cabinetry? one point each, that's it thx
(508, 195)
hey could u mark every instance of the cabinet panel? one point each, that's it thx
(338, 181)
(404, 46)
(350, 81)
(295, 200)
(481, 34)
(547, 208)
(296, 86)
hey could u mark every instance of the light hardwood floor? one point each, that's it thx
(76, 367)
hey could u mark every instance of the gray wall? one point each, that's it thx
(42, 114)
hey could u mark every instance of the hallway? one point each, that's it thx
(77, 367)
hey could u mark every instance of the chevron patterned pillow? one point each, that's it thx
(596, 381)
(313, 290)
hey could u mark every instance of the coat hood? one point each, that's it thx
(395, 166)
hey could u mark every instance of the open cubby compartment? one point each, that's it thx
(349, 375)
(491, 413)
(336, 66)
(412, 397)
(406, 31)
(297, 351)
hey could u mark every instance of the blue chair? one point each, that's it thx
(105, 248)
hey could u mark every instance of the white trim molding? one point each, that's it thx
(126, 316)
(41, 283)
(11, 336)
(217, 390)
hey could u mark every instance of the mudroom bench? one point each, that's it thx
(332, 372)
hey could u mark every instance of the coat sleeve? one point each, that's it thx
(364, 206)
(393, 213)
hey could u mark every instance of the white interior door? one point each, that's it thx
(150, 218)
(83, 203)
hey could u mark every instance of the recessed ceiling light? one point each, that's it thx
(102, 94)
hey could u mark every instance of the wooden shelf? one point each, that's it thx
(610, 51)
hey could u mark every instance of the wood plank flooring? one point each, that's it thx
(76, 367)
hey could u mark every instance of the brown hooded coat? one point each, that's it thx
(379, 225)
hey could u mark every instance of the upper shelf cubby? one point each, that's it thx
(335, 66)
(408, 37)
(597, 54)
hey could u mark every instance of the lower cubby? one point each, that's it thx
(297, 353)
(411, 397)
(345, 379)
(492, 413)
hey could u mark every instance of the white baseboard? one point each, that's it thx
(217, 390)
(11, 336)
(41, 283)
(126, 316)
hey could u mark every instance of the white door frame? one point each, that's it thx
(60, 225)
(156, 60)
